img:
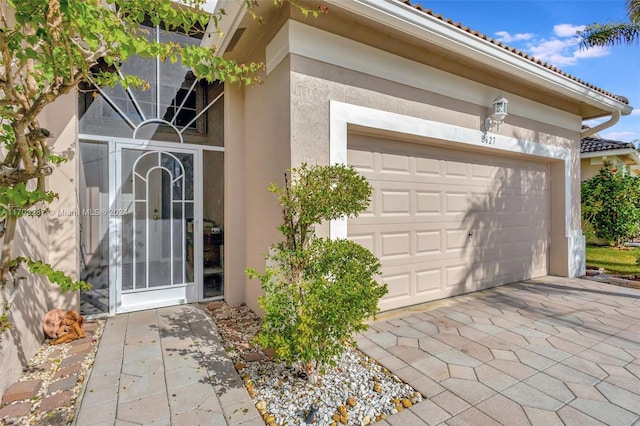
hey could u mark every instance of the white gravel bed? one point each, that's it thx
(357, 391)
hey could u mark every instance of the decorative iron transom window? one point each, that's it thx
(174, 104)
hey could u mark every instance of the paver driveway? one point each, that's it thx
(543, 352)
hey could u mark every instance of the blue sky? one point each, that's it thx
(546, 29)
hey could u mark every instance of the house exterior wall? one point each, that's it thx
(51, 238)
(326, 68)
(314, 84)
(589, 167)
(267, 151)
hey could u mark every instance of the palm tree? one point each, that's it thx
(612, 33)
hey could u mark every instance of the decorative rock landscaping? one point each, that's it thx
(47, 391)
(356, 391)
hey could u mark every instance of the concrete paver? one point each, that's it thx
(471, 417)
(504, 410)
(164, 366)
(606, 412)
(471, 391)
(430, 413)
(550, 351)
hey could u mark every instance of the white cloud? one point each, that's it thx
(621, 136)
(592, 52)
(561, 49)
(635, 112)
(563, 52)
(567, 30)
(595, 122)
(506, 37)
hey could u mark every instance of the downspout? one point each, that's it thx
(615, 116)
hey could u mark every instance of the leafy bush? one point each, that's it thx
(318, 291)
(611, 206)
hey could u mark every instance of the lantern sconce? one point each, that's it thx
(499, 108)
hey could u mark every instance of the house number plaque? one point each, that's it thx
(488, 139)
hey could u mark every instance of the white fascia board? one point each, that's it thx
(310, 42)
(609, 153)
(234, 13)
(407, 19)
(206, 5)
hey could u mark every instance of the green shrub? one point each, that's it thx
(318, 291)
(611, 206)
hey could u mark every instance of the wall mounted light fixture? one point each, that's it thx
(499, 108)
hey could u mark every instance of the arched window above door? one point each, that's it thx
(176, 107)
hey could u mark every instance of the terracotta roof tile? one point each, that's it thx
(516, 51)
(592, 144)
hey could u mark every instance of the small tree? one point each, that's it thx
(611, 206)
(318, 291)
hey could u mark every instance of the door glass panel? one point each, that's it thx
(213, 224)
(154, 229)
(93, 200)
(190, 264)
(178, 240)
(157, 220)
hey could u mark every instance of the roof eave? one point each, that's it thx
(626, 151)
(407, 19)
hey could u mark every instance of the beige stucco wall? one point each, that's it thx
(267, 152)
(314, 84)
(51, 238)
(234, 206)
(31, 302)
(589, 167)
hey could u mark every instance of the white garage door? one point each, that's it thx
(445, 222)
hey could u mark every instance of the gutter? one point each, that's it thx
(615, 116)
(397, 15)
(613, 152)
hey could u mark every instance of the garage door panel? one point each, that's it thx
(362, 161)
(427, 167)
(365, 240)
(395, 245)
(398, 219)
(394, 203)
(394, 164)
(398, 284)
(455, 240)
(426, 200)
(428, 242)
(457, 276)
(428, 281)
(482, 171)
(456, 170)
(457, 202)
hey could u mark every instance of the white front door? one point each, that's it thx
(155, 255)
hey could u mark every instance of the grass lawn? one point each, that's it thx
(613, 260)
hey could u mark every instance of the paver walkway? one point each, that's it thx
(164, 366)
(546, 352)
